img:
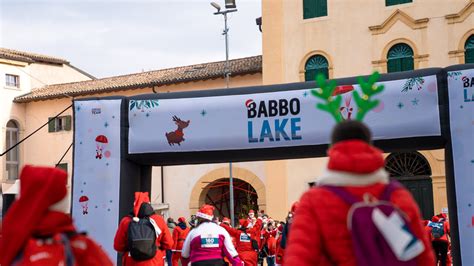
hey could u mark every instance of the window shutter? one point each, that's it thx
(322, 8)
(325, 72)
(392, 65)
(310, 75)
(51, 124)
(396, 2)
(407, 64)
(309, 7)
(67, 127)
(469, 56)
(62, 166)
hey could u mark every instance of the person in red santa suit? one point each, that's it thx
(269, 234)
(247, 240)
(142, 210)
(319, 233)
(179, 235)
(39, 216)
(251, 217)
(279, 252)
(441, 243)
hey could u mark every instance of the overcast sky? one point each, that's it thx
(113, 37)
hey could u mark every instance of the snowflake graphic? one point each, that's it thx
(415, 101)
(400, 105)
(203, 113)
(305, 94)
(147, 115)
(106, 124)
(78, 108)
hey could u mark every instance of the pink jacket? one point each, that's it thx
(209, 241)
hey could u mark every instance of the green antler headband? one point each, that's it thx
(332, 103)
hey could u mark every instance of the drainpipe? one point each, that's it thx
(162, 185)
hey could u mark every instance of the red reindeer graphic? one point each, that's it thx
(177, 136)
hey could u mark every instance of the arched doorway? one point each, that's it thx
(217, 194)
(414, 172)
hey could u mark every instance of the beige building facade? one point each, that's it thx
(354, 37)
(20, 73)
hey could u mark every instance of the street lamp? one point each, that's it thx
(232, 8)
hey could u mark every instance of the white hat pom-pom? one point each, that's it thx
(136, 219)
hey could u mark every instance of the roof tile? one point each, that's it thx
(213, 70)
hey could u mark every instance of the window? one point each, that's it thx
(469, 50)
(315, 8)
(12, 164)
(12, 80)
(315, 65)
(61, 123)
(62, 166)
(396, 2)
(400, 58)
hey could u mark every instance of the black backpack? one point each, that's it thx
(437, 230)
(141, 239)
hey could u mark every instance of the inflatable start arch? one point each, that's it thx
(118, 139)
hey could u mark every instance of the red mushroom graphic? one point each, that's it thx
(100, 142)
(83, 201)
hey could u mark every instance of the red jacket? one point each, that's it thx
(319, 234)
(163, 242)
(179, 235)
(254, 233)
(280, 252)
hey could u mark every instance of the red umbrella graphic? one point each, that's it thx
(100, 141)
(346, 110)
(83, 201)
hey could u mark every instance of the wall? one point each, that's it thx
(46, 148)
(345, 38)
(47, 74)
(8, 110)
(352, 49)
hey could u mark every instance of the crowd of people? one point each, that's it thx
(256, 239)
(354, 216)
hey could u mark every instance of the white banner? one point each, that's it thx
(409, 108)
(461, 111)
(95, 202)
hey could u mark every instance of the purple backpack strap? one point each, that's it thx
(351, 199)
(343, 194)
(391, 187)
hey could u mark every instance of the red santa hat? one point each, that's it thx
(355, 156)
(251, 211)
(244, 223)
(40, 188)
(140, 197)
(206, 212)
(182, 220)
(280, 228)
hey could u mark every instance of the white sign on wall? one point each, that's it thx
(96, 177)
(461, 110)
(409, 108)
